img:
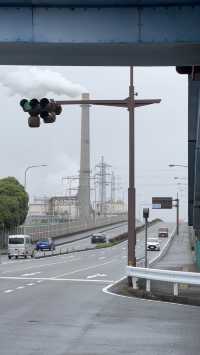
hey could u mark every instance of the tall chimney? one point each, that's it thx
(84, 179)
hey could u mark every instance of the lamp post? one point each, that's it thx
(27, 169)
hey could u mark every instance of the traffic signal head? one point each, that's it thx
(34, 103)
(44, 103)
(48, 117)
(58, 109)
(24, 103)
(34, 121)
(47, 109)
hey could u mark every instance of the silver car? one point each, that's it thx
(153, 244)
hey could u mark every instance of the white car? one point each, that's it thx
(153, 244)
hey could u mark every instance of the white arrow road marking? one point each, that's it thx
(32, 274)
(96, 275)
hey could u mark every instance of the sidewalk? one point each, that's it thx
(179, 257)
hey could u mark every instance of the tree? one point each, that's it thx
(13, 203)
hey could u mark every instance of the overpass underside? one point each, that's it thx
(95, 34)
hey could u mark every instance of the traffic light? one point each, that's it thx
(49, 109)
(34, 121)
(33, 108)
(46, 109)
(46, 112)
(24, 103)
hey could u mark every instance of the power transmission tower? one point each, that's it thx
(113, 187)
(103, 183)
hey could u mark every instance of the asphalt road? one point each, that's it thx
(56, 306)
(80, 240)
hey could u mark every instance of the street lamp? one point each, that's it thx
(28, 168)
(181, 165)
(179, 178)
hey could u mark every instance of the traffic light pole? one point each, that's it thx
(131, 189)
(129, 103)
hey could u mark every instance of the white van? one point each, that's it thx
(20, 245)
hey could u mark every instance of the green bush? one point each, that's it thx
(13, 203)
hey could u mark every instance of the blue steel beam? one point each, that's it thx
(94, 3)
(100, 36)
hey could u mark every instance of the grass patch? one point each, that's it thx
(106, 245)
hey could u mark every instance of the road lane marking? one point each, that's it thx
(20, 287)
(39, 266)
(102, 257)
(85, 269)
(52, 279)
(96, 275)
(32, 274)
(9, 291)
(31, 284)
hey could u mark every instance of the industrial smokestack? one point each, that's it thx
(84, 180)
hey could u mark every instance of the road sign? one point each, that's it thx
(162, 202)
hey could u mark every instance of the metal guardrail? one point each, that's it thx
(62, 229)
(175, 277)
(57, 230)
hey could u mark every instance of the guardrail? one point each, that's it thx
(62, 229)
(145, 272)
(175, 277)
(57, 230)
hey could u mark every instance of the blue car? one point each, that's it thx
(45, 244)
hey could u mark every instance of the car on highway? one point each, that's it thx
(98, 238)
(153, 244)
(45, 244)
(20, 245)
(163, 232)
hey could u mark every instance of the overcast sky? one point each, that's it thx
(161, 133)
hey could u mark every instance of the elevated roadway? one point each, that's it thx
(89, 32)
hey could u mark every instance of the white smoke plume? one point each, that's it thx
(38, 82)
